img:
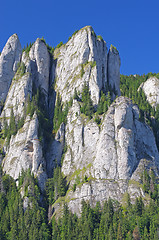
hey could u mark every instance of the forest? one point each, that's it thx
(112, 220)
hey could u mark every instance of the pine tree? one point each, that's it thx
(75, 96)
(12, 124)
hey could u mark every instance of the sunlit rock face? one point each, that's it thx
(9, 59)
(82, 59)
(40, 65)
(114, 69)
(25, 151)
(110, 156)
(98, 162)
(151, 90)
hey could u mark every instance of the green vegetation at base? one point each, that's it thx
(109, 221)
(15, 223)
(56, 187)
(113, 220)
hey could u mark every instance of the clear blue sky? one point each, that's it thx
(130, 25)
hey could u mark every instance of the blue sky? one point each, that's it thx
(131, 26)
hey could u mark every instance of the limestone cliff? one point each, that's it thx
(40, 65)
(9, 58)
(84, 59)
(99, 161)
(25, 151)
(151, 90)
(110, 157)
(114, 69)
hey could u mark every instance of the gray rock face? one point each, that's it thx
(110, 156)
(40, 65)
(151, 90)
(81, 139)
(17, 96)
(25, 152)
(114, 69)
(82, 59)
(37, 73)
(101, 162)
(9, 58)
(55, 150)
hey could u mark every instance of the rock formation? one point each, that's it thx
(84, 59)
(25, 151)
(98, 161)
(151, 90)
(9, 59)
(111, 157)
(114, 69)
(40, 65)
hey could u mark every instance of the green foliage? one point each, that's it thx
(38, 104)
(75, 96)
(85, 178)
(59, 45)
(99, 37)
(13, 127)
(93, 64)
(1, 105)
(93, 33)
(21, 69)
(104, 103)
(56, 187)
(60, 113)
(74, 187)
(97, 120)
(114, 48)
(87, 106)
(63, 153)
(82, 71)
(15, 223)
(108, 222)
(27, 48)
(77, 180)
(75, 32)
(111, 221)
(49, 48)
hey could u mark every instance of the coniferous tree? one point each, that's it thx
(12, 124)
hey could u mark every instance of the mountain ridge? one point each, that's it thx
(58, 111)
